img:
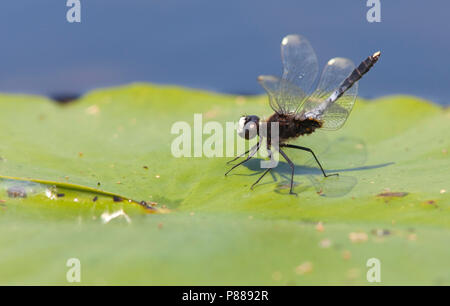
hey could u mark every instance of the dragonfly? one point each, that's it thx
(298, 109)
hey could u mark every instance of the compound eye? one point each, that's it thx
(247, 128)
(251, 130)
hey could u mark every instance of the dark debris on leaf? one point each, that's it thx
(392, 194)
(381, 232)
(117, 199)
(431, 202)
(17, 192)
(147, 205)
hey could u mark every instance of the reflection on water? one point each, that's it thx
(334, 186)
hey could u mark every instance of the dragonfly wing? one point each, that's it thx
(272, 86)
(300, 66)
(283, 96)
(334, 73)
(300, 70)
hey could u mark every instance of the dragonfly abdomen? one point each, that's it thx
(357, 73)
(354, 77)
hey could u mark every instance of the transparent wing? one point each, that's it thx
(334, 73)
(300, 70)
(283, 96)
(300, 65)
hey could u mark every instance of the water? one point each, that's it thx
(217, 45)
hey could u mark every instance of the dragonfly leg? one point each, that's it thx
(291, 164)
(265, 172)
(243, 154)
(314, 155)
(250, 155)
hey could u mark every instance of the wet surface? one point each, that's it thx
(18, 189)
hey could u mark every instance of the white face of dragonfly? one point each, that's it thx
(241, 125)
(248, 127)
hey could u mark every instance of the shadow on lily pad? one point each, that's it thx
(342, 149)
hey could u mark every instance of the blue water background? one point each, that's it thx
(218, 45)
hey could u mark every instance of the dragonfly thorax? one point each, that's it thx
(292, 126)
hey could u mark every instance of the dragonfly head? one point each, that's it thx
(248, 127)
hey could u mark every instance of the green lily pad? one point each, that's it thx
(390, 202)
